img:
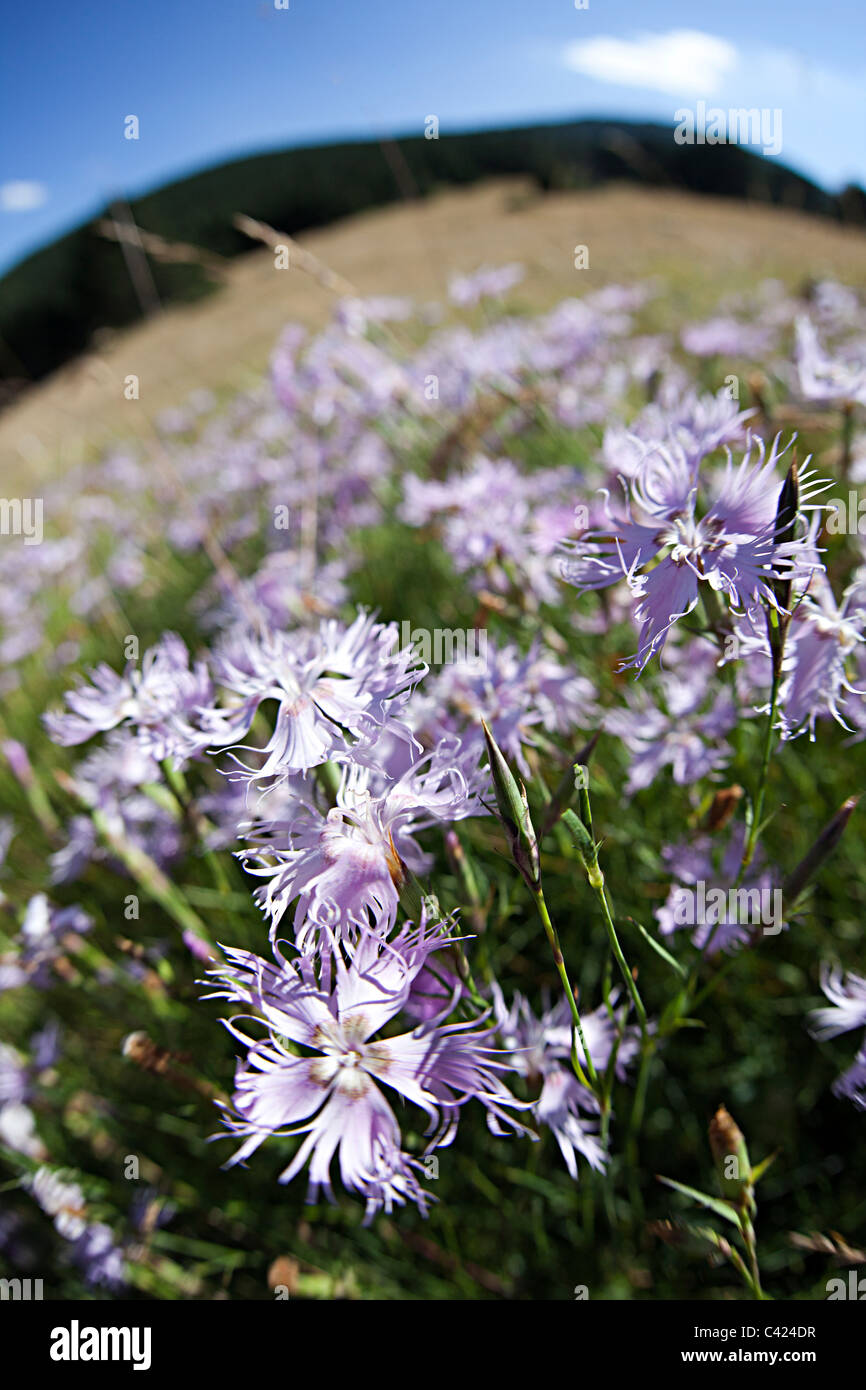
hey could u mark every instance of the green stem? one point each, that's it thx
(597, 883)
(748, 1234)
(739, 1264)
(582, 827)
(647, 1049)
(640, 1094)
(553, 938)
(149, 876)
(198, 823)
(758, 805)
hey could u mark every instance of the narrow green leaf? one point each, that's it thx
(703, 1199)
(760, 1168)
(659, 949)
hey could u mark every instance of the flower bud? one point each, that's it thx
(823, 846)
(513, 806)
(730, 1155)
(586, 847)
(786, 521)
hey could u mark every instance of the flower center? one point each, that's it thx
(688, 538)
(684, 538)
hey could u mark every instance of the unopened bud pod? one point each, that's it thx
(586, 846)
(581, 783)
(823, 846)
(786, 522)
(730, 1155)
(513, 809)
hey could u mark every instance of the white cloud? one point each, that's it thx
(681, 61)
(22, 195)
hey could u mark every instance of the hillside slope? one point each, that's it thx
(701, 247)
(53, 303)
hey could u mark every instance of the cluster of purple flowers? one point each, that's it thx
(333, 761)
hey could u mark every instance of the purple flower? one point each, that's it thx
(346, 867)
(14, 1075)
(39, 942)
(99, 1257)
(290, 587)
(540, 1047)
(668, 550)
(847, 995)
(92, 1244)
(160, 700)
(852, 1083)
(435, 989)
(16, 755)
(703, 898)
(356, 315)
(333, 687)
(18, 1084)
(17, 1076)
(823, 378)
(487, 283)
(563, 1106)
(492, 526)
(18, 1130)
(61, 1199)
(517, 695)
(482, 511)
(197, 948)
(836, 307)
(847, 1009)
(822, 639)
(725, 337)
(675, 731)
(111, 778)
(695, 424)
(822, 647)
(332, 1094)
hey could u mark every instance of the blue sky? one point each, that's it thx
(212, 79)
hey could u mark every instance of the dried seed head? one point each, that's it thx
(724, 805)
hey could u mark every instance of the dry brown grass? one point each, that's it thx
(700, 247)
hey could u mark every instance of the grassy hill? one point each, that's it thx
(53, 303)
(700, 247)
